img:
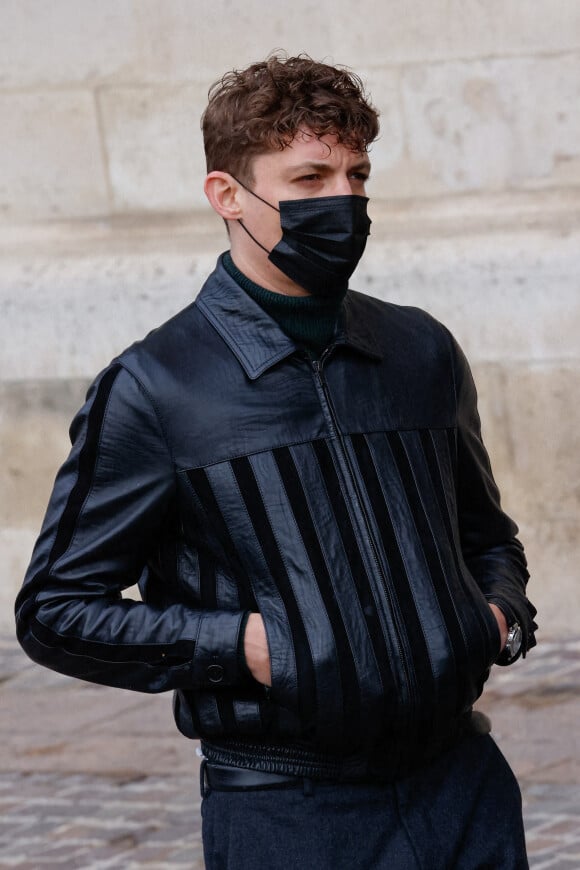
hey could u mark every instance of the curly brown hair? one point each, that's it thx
(264, 106)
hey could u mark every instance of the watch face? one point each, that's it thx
(514, 641)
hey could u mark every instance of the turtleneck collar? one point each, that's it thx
(308, 320)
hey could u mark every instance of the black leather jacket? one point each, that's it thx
(349, 500)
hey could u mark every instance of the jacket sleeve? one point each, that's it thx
(492, 552)
(107, 508)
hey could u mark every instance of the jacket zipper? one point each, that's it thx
(324, 393)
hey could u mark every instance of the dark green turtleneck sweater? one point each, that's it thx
(309, 320)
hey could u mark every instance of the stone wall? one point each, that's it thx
(475, 203)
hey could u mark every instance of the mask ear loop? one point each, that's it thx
(240, 221)
(253, 238)
(265, 201)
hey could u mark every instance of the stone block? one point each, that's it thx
(553, 553)
(181, 41)
(66, 42)
(52, 164)
(15, 551)
(68, 316)
(73, 41)
(548, 26)
(387, 152)
(505, 295)
(530, 424)
(154, 147)
(494, 124)
(402, 32)
(34, 421)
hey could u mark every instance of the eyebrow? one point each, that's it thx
(323, 166)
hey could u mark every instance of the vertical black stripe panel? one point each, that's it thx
(233, 509)
(227, 714)
(452, 448)
(441, 486)
(430, 548)
(207, 582)
(202, 486)
(257, 512)
(448, 596)
(356, 563)
(207, 713)
(227, 591)
(301, 510)
(87, 460)
(401, 587)
(317, 626)
(437, 447)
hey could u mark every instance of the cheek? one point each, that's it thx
(270, 231)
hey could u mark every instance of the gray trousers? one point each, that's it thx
(462, 812)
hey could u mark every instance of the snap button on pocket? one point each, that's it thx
(215, 673)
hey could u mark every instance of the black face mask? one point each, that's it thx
(323, 238)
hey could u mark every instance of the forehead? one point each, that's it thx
(307, 148)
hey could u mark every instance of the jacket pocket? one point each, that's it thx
(482, 638)
(284, 679)
(494, 632)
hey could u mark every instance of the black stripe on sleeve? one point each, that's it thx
(86, 465)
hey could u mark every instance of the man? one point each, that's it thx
(294, 474)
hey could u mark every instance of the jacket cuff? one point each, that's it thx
(216, 658)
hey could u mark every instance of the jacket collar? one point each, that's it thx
(255, 338)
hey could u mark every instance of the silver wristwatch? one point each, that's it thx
(513, 646)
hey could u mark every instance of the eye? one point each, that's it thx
(360, 176)
(312, 176)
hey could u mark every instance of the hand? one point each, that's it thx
(501, 623)
(256, 649)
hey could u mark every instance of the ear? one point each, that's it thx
(222, 191)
